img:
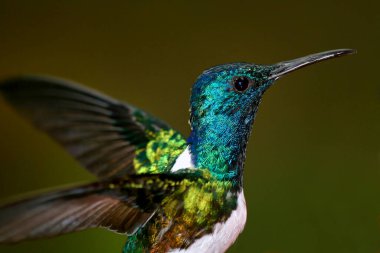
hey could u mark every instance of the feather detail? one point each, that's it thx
(97, 130)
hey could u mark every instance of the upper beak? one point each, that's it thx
(285, 67)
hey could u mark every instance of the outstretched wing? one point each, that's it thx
(121, 206)
(100, 132)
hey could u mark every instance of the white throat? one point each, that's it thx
(184, 161)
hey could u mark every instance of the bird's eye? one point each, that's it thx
(241, 83)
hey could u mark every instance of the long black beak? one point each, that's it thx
(285, 67)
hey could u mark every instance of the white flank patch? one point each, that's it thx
(223, 235)
(184, 161)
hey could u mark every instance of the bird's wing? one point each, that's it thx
(100, 132)
(122, 206)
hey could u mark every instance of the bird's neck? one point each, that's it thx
(218, 143)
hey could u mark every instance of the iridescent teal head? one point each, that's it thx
(223, 106)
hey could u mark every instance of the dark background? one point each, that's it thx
(312, 177)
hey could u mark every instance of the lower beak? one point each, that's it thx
(285, 67)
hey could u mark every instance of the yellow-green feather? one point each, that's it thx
(199, 203)
(160, 152)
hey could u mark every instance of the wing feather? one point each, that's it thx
(121, 205)
(97, 130)
(68, 211)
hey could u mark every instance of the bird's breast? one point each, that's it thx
(223, 234)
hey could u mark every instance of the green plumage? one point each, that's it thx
(198, 206)
(160, 153)
(197, 203)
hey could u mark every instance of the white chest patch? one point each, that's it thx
(223, 235)
(184, 161)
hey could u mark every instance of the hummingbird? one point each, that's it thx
(165, 192)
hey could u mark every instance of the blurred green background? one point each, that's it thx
(312, 177)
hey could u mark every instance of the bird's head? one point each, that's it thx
(233, 91)
(225, 99)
